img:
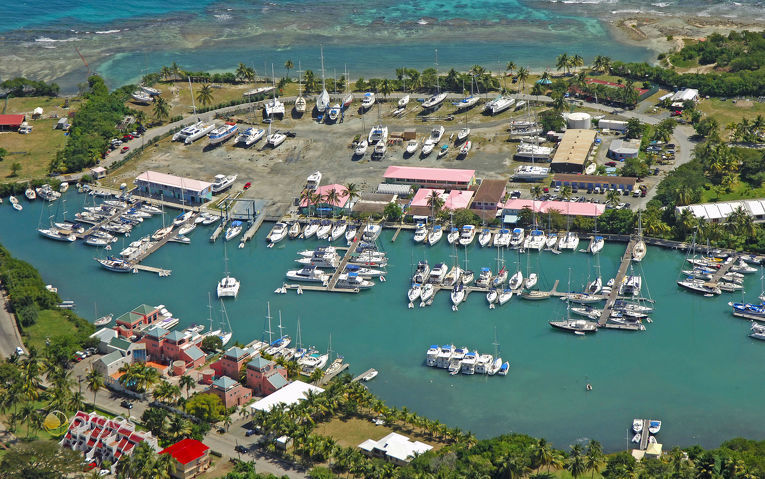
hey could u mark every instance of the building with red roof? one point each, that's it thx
(339, 203)
(454, 200)
(430, 177)
(191, 457)
(513, 207)
(11, 122)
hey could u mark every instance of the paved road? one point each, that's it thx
(10, 338)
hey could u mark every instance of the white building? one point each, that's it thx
(394, 448)
(615, 125)
(686, 94)
(173, 188)
(290, 394)
(719, 212)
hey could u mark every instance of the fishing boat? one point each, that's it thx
(411, 147)
(420, 234)
(278, 233)
(222, 133)
(222, 182)
(233, 230)
(367, 100)
(30, 194)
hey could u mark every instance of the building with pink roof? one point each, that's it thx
(430, 177)
(173, 188)
(340, 204)
(513, 207)
(454, 200)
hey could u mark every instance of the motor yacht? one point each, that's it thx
(468, 235)
(438, 273)
(222, 182)
(411, 147)
(309, 274)
(367, 100)
(421, 233)
(278, 233)
(421, 274)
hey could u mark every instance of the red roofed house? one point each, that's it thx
(11, 122)
(164, 347)
(513, 207)
(231, 363)
(341, 203)
(191, 457)
(265, 377)
(454, 200)
(230, 392)
(101, 439)
(430, 177)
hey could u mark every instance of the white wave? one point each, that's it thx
(223, 17)
(105, 32)
(594, 2)
(661, 4)
(52, 40)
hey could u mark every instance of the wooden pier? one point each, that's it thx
(344, 262)
(621, 273)
(395, 235)
(723, 270)
(645, 435)
(221, 227)
(749, 317)
(358, 378)
(152, 269)
(254, 227)
(328, 377)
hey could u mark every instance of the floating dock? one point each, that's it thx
(621, 273)
(358, 378)
(221, 227)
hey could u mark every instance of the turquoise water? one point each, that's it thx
(694, 368)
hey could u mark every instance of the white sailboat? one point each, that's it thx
(228, 286)
(300, 102)
(439, 97)
(322, 100)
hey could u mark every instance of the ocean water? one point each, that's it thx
(694, 368)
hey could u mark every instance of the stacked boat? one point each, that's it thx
(462, 360)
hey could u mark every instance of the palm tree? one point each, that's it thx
(542, 454)
(241, 71)
(386, 88)
(593, 459)
(415, 79)
(76, 402)
(562, 62)
(227, 421)
(577, 61)
(165, 72)
(510, 67)
(187, 382)
(575, 463)
(435, 202)
(164, 466)
(288, 65)
(332, 198)
(161, 109)
(536, 191)
(351, 191)
(176, 70)
(305, 198)
(310, 82)
(523, 75)
(613, 198)
(95, 382)
(741, 223)
(204, 95)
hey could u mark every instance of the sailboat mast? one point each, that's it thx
(438, 84)
(191, 91)
(281, 329)
(323, 86)
(268, 318)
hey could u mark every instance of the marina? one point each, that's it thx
(376, 330)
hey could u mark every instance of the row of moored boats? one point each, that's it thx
(462, 360)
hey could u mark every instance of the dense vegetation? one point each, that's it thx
(93, 126)
(20, 86)
(740, 59)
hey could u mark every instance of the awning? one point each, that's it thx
(510, 219)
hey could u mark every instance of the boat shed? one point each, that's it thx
(430, 177)
(623, 149)
(586, 182)
(173, 188)
(573, 151)
(719, 212)
(454, 200)
(11, 122)
(686, 94)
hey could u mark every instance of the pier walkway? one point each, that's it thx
(724, 269)
(344, 262)
(358, 378)
(96, 226)
(621, 273)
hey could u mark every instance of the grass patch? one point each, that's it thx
(739, 191)
(34, 151)
(353, 431)
(50, 323)
(726, 112)
(220, 468)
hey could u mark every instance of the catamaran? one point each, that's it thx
(223, 133)
(228, 286)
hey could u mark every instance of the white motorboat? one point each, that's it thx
(276, 139)
(468, 235)
(321, 260)
(414, 292)
(485, 237)
(436, 134)
(411, 146)
(516, 281)
(353, 281)
(222, 183)
(454, 235)
(463, 134)
(334, 113)
(422, 274)
(421, 233)
(30, 194)
(183, 217)
(637, 425)
(435, 235)
(233, 230)
(338, 230)
(499, 104)
(308, 253)
(228, 286)
(504, 295)
(434, 101)
(465, 148)
(278, 233)
(427, 148)
(379, 151)
(378, 133)
(654, 426)
(223, 133)
(438, 273)
(363, 271)
(309, 273)
(187, 228)
(637, 437)
(367, 100)
(596, 244)
(371, 232)
(191, 133)
(502, 238)
(403, 101)
(370, 375)
(517, 237)
(273, 107)
(484, 277)
(361, 147)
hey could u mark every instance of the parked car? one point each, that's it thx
(124, 149)
(241, 449)
(19, 351)
(249, 432)
(126, 404)
(247, 185)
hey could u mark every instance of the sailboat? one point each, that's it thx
(225, 335)
(469, 101)
(639, 250)
(363, 144)
(531, 277)
(277, 138)
(438, 98)
(594, 286)
(300, 102)
(577, 326)
(322, 100)
(56, 233)
(404, 100)
(348, 98)
(516, 280)
(228, 286)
